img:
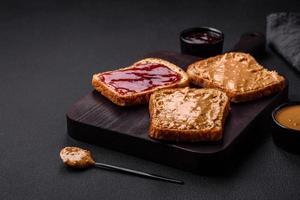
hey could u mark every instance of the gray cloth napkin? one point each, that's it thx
(283, 34)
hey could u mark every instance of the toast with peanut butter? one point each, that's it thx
(237, 74)
(133, 85)
(188, 114)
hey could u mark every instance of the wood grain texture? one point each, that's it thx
(96, 120)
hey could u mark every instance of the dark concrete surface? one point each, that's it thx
(50, 49)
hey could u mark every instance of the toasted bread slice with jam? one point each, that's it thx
(188, 114)
(237, 74)
(133, 85)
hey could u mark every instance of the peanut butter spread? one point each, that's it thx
(237, 72)
(187, 109)
(289, 117)
(76, 157)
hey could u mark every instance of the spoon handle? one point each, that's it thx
(135, 172)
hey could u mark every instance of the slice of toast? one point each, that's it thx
(188, 114)
(133, 85)
(237, 74)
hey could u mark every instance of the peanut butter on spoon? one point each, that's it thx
(76, 157)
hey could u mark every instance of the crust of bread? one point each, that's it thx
(140, 97)
(235, 96)
(193, 135)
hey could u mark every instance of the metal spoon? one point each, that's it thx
(79, 158)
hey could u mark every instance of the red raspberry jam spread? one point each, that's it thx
(204, 37)
(141, 77)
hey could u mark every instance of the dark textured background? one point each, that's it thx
(50, 49)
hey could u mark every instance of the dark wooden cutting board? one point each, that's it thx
(96, 120)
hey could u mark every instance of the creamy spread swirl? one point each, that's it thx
(76, 157)
(237, 72)
(289, 116)
(190, 109)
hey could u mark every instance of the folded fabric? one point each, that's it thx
(283, 34)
